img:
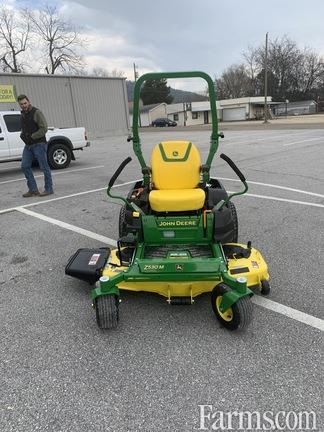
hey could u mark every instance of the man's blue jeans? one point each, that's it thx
(38, 152)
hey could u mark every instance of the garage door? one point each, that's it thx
(231, 114)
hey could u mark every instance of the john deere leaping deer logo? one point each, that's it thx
(179, 267)
(175, 153)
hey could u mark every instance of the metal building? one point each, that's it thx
(296, 108)
(246, 108)
(98, 104)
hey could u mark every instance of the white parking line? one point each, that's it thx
(250, 140)
(274, 186)
(289, 312)
(69, 227)
(253, 138)
(54, 174)
(302, 141)
(306, 203)
(35, 203)
(260, 301)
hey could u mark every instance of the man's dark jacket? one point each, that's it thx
(33, 127)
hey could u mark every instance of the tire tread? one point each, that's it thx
(107, 311)
(232, 208)
(242, 309)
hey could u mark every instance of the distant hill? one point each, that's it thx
(186, 96)
(178, 95)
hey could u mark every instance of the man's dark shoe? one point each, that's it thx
(45, 193)
(31, 194)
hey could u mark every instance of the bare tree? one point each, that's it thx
(252, 67)
(115, 73)
(233, 83)
(283, 59)
(60, 40)
(99, 72)
(14, 38)
(309, 74)
(102, 72)
(292, 73)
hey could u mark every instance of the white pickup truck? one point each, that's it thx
(61, 142)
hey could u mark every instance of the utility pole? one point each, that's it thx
(135, 79)
(135, 72)
(266, 81)
(184, 107)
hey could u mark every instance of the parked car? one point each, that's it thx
(160, 122)
(61, 142)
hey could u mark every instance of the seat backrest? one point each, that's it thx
(175, 165)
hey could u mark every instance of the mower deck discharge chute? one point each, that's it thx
(178, 233)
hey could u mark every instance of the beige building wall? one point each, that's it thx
(160, 111)
(98, 104)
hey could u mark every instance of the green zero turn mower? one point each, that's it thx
(178, 233)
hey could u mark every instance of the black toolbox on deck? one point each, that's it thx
(87, 264)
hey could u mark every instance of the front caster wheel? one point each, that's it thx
(265, 287)
(107, 313)
(238, 315)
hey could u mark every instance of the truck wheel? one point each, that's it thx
(59, 155)
(107, 313)
(238, 315)
(232, 208)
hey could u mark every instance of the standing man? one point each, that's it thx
(33, 130)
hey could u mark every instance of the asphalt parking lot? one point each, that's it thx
(59, 372)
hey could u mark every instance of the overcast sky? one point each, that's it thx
(207, 35)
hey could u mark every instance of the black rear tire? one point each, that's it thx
(107, 311)
(122, 222)
(232, 208)
(59, 155)
(238, 316)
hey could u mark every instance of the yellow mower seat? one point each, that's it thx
(175, 169)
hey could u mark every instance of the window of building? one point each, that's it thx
(175, 117)
(194, 115)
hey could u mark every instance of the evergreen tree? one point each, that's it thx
(156, 91)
